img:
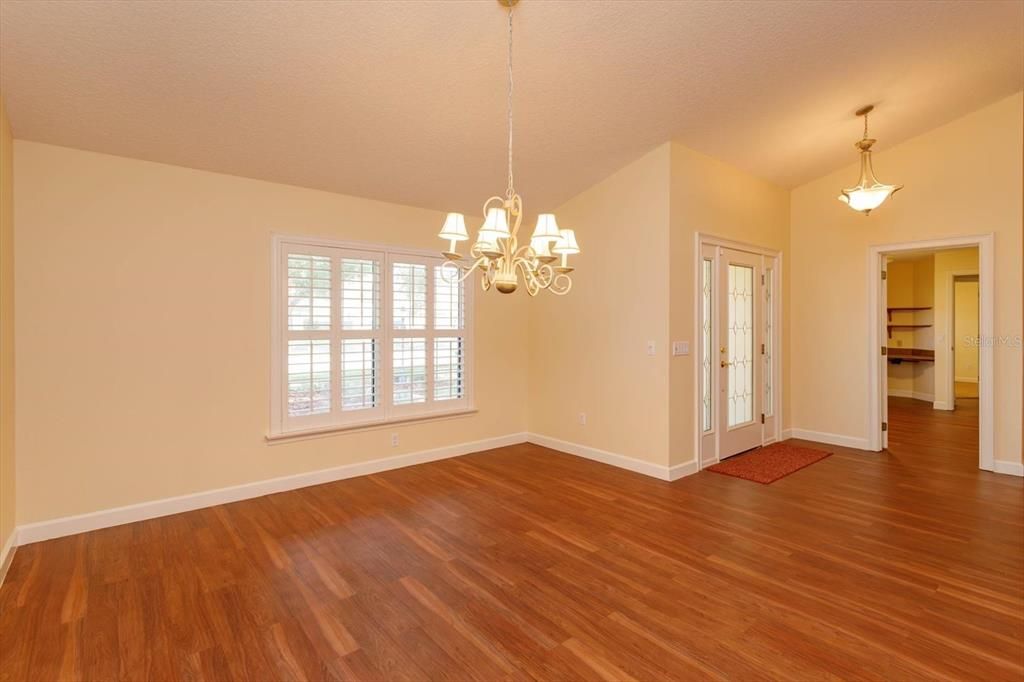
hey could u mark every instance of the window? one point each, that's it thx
(366, 334)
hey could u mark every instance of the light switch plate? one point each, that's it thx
(650, 348)
(680, 348)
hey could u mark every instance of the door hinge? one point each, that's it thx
(883, 274)
(762, 417)
(885, 351)
(762, 280)
(762, 349)
(885, 426)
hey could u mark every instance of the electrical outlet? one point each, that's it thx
(583, 418)
(650, 348)
(394, 440)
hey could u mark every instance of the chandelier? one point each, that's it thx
(869, 192)
(496, 254)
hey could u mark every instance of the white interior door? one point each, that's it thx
(883, 343)
(741, 305)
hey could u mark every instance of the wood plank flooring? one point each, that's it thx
(523, 563)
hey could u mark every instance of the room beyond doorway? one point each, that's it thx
(932, 357)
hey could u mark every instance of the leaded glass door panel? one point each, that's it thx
(741, 309)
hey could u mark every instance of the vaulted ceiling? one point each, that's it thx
(405, 101)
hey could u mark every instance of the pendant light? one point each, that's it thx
(869, 192)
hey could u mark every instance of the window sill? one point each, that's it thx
(324, 431)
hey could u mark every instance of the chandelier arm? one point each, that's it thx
(464, 272)
(533, 286)
(525, 253)
(561, 284)
(545, 274)
(487, 278)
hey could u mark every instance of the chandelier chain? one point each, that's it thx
(866, 126)
(510, 192)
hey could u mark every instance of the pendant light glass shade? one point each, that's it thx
(869, 192)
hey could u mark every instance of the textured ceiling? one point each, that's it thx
(404, 101)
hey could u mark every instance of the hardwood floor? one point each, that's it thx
(524, 563)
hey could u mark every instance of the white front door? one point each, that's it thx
(741, 309)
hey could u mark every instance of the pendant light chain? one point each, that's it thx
(510, 192)
(866, 114)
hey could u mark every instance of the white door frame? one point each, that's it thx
(950, 332)
(877, 336)
(702, 239)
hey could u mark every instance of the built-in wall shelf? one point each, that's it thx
(907, 310)
(909, 319)
(898, 355)
(906, 326)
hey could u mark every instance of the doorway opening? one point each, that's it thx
(931, 309)
(739, 341)
(965, 338)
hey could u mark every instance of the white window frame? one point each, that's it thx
(283, 426)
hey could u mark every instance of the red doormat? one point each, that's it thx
(769, 464)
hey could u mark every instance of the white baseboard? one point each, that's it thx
(1012, 468)
(942, 405)
(681, 470)
(7, 554)
(966, 380)
(830, 438)
(639, 466)
(916, 395)
(70, 525)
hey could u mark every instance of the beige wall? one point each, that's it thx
(588, 349)
(965, 324)
(7, 415)
(962, 178)
(143, 329)
(635, 284)
(712, 197)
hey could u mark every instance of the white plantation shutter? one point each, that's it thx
(360, 336)
(365, 335)
(308, 348)
(449, 345)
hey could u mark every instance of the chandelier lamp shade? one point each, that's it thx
(869, 193)
(541, 264)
